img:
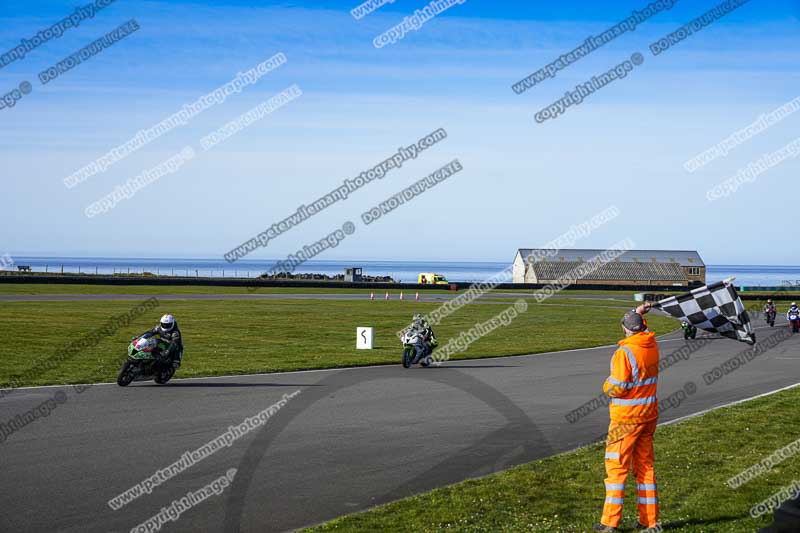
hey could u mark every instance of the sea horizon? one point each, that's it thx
(402, 271)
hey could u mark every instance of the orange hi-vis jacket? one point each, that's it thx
(634, 379)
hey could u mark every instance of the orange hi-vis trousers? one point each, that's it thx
(630, 444)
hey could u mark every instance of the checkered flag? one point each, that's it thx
(716, 308)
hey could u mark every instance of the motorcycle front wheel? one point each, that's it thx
(408, 356)
(126, 374)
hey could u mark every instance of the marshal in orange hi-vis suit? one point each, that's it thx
(634, 415)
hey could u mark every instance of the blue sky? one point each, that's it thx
(522, 185)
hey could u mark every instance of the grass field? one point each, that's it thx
(58, 288)
(45, 288)
(42, 288)
(565, 493)
(609, 298)
(580, 302)
(238, 337)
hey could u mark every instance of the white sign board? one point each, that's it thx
(364, 338)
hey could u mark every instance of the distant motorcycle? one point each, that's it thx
(769, 316)
(689, 331)
(794, 320)
(414, 349)
(145, 362)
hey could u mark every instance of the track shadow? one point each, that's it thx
(446, 366)
(489, 454)
(233, 385)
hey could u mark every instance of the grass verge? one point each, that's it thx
(244, 336)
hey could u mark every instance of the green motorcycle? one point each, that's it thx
(145, 362)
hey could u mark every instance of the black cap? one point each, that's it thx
(633, 321)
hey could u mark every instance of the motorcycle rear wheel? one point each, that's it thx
(165, 375)
(125, 375)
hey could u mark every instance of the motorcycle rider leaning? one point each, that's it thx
(169, 332)
(419, 324)
(769, 307)
(793, 310)
(688, 330)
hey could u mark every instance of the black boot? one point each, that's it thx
(606, 529)
(176, 360)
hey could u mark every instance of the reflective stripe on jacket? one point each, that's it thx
(634, 379)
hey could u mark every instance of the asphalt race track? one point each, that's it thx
(351, 439)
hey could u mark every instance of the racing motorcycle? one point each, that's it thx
(413, 343)
(794, 320)
(144, 361)
(689, 331)
(769, 316)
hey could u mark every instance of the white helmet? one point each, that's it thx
(794, 304)
(167, 322)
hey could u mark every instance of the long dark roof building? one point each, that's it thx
(634, 267)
